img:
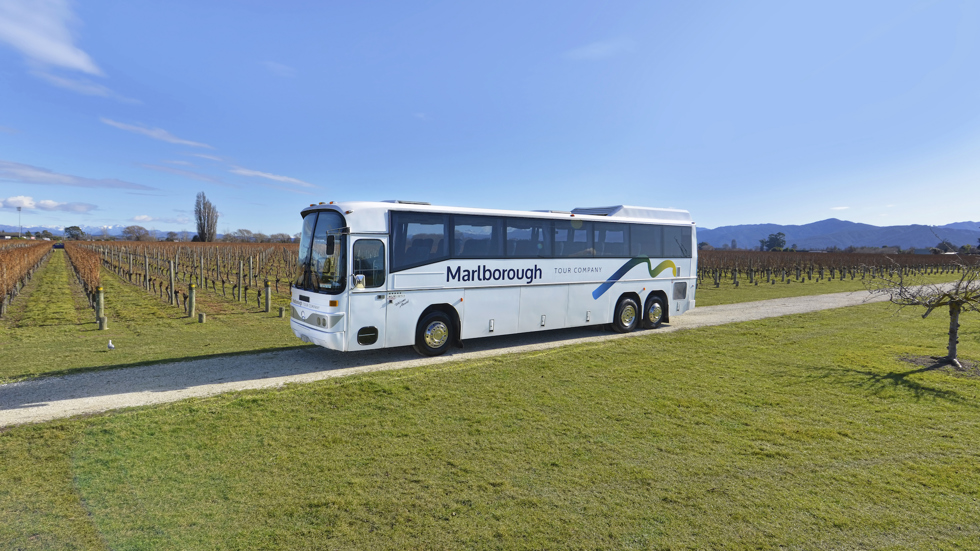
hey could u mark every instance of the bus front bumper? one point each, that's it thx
(333, 340)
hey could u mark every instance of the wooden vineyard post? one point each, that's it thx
(99, 305)
(268, 296)
(241, 268)
(191, 299)
(172, 292)
(146, 270)
(251, 279)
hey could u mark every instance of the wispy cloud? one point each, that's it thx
(27, 174)
(279, 69)
(155, 133)
(839, 208)
(9, 130)
(41, 30)
(83, 86)
(145, 219)
(284, 188)
(187, 174)
(29, 203)
(601, 49)
(181, 163)
(208, 157)
(284, 179)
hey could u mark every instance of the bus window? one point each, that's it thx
(418, 238)
(612, 239)
(573, 239)
(478, 237)
(528, 238)
(369, 261)
(677, 241)
(647, 240)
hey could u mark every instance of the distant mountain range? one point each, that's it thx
(841, 233)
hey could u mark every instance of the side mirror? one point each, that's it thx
(330, 245)
(359, 281)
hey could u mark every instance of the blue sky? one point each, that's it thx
(119, 113)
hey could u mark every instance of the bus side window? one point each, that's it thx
(647, 240)
(419, 238)
(477, 237)
(369, 261)
(573, 239)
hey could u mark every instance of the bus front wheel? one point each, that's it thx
(433, 334)
(627, 315)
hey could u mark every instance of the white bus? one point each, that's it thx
(399, 273)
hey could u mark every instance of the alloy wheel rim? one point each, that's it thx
(436, 334)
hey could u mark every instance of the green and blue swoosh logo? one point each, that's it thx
(632, 263)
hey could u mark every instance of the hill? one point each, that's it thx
(841, 233)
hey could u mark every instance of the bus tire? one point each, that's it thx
(433, 334)
(627, 315)
(653, 316)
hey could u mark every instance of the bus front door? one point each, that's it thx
(368, 294)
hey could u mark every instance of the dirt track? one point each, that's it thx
(57, 397)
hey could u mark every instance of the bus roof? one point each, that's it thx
(371, 215)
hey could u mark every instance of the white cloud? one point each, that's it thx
(285, 179)
(39, 29)
(29, 203)
(187, 174)
(181, 163)
(839, 208)
(8, 130)
(83, 86)
(279, 69)
(601, 49)
(155, 133)
(27, 174)
(146, 219)
(208, 157)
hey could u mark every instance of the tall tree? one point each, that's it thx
(206, 215)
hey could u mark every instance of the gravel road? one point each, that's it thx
(86, 393)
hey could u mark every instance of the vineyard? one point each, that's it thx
(768, 267)
(168, 269)
(18, 260)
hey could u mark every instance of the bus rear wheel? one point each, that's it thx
(433, 334)
(627, 315)
(654, 314)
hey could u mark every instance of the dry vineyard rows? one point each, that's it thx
(768, 267)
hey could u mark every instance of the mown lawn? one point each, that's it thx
(800, 432)
(52, 330)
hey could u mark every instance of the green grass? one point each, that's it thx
(728, 293)
(800, 432)
(52, 330)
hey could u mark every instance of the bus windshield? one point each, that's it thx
(320, 269)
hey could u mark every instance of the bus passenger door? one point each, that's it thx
(368, 294)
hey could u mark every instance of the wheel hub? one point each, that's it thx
(436, 334)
